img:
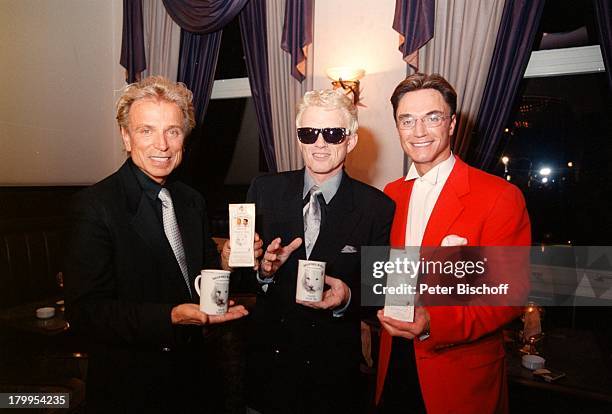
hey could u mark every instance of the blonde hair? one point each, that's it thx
(157, 88)
(329, 99)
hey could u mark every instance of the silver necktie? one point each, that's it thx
(312, 220)
(173, 234)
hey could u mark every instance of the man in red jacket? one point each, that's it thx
(457, 351)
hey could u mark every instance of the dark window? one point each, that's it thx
(567, 23)
(557, 141)
(559, 151)
(231, 63)
(223, 154)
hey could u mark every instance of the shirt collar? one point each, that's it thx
(328, 187)
(150, 187)
(437, 174)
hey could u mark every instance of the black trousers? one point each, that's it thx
(402, 392)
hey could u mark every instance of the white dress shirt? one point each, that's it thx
(425, 193)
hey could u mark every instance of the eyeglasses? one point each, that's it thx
(430, 121)
(330, 135)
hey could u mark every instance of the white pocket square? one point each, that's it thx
(348, 249)
(454, 240)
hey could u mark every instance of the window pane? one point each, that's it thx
(559, 149)
(231, 63)
(567, 23)
(223, 155)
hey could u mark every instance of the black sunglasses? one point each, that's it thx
(330, 135)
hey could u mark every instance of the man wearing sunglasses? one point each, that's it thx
(457, 351)
(304, 357)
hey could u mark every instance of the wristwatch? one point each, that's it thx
(425, 335)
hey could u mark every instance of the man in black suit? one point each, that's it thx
(304, 357)
(138, 242)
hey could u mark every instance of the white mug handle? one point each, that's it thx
(197, 284)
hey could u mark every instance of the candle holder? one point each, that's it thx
(531, 334)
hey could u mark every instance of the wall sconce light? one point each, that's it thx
(347, 79)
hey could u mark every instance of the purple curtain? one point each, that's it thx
(201, 23)
(297, 34)
(517, 31)
(254, 42)
(132, 41)
(197, 64)
(203, 16)
(603, 14)
(414, 20)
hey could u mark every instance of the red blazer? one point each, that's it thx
(461, 365)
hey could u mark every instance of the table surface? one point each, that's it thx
(23, 318)
(588, 373)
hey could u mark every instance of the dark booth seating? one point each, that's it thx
(37, 355)
(30, 260)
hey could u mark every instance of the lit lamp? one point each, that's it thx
(545, 171)
(347, 79)
(505, 160)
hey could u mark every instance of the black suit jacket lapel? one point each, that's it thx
(189, 220)
(287, 221)
(293, 205)
(146, 223)
(342, 217)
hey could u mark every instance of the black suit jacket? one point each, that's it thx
(302, 359)
(122, 280)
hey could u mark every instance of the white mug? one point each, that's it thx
(310, 281)
(214, 291)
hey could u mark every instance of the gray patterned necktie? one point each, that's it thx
(312, 220)
(173, 233)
